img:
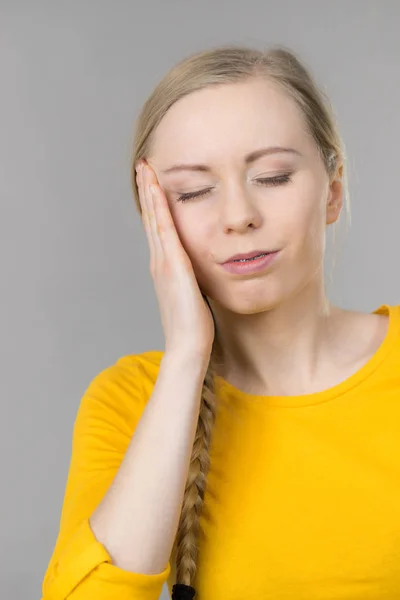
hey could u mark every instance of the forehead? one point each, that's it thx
(212, 123)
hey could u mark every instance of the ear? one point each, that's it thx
(335, 198)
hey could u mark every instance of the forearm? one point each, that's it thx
(138, 518)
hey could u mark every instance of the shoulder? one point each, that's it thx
(133, 371)
(117, 395)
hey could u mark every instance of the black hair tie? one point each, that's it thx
(181, 591)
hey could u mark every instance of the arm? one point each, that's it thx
(130, 459)
(139, 516)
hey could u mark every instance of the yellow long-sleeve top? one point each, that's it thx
(303, 493)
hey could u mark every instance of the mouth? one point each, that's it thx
(249, 256)
(251, 265)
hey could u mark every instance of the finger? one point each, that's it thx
(167, 232)
(150, 201)
(145, 213)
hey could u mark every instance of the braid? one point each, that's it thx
(189, 524)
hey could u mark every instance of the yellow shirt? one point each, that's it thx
(303, 493)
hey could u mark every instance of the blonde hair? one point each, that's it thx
(216, 66)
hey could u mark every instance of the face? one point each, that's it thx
(277, 201)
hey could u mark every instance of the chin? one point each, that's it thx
(253, 308)
(248, 301)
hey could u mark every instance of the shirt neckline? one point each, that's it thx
(333, 392)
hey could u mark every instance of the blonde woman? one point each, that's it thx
(258, 455)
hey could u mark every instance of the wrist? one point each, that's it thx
(188, 358)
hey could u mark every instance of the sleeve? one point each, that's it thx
(80, 567)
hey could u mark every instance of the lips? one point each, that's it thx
(248, 255)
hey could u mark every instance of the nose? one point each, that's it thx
(239, 210)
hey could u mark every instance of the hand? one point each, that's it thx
(186, 317)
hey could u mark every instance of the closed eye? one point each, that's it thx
(268, 181)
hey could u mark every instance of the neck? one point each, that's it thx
(284, 346)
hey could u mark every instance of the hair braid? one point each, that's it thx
(189, 523)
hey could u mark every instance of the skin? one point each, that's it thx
(279, 333)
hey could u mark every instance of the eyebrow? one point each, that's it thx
(248, 159)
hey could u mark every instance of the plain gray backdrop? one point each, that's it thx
(76, 293)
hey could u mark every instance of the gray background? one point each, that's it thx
(76, 293)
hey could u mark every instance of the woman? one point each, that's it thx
(258, 456)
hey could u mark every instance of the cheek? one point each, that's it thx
(303, 228)
(312, 234)
(304, 213)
